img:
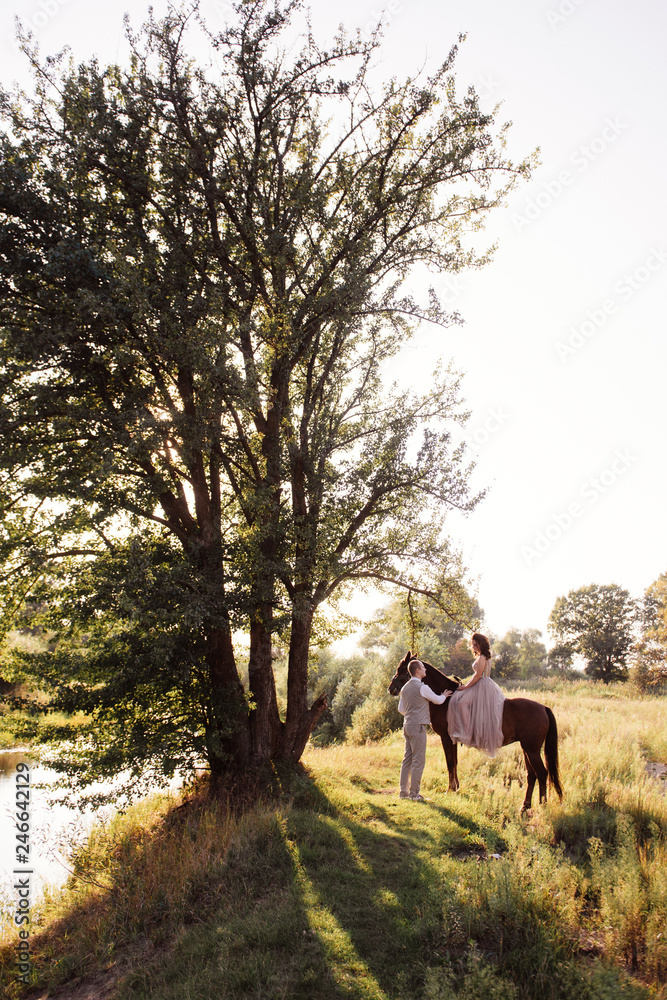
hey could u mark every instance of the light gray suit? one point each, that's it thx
(413, 705)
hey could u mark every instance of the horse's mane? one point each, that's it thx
(437, 681)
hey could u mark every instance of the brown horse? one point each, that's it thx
(524, 721)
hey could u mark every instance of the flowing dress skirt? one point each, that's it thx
(475, 716)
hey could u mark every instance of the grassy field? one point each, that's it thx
(335, 888)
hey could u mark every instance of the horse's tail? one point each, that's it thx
(551, 753)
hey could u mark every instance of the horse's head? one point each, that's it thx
(401, 676)
(435, 678)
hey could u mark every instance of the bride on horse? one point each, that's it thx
(478, 714)
(475, 711)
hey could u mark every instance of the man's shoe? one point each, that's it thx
(418, 798)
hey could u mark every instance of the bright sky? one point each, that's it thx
(563, 344)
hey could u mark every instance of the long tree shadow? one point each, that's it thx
(376, 887)
(324, 908)
(467, 824)
(317, 905)
(248, 933)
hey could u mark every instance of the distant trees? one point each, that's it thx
(559, 658)
(596, 622)
(359, 705)
(418, 623)
(460, 658)
(346, 681)
(519, 654)
(649, 653)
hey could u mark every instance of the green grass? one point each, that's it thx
(335, 888)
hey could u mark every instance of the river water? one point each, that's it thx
(52, 829)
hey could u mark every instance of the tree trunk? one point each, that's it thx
(227, 732)
(265, 724)
(300, 720)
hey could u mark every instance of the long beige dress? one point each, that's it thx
(475, 714)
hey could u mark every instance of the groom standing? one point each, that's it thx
(413, 706)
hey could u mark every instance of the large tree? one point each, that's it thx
(203, 275)
(596, 622)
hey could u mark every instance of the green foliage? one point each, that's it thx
(420, 623)
(653, 611)
(649, 653)
(200, 286)
(344, 702)
(596, 622)
(648, 670)
(519, 655)
(478, 981)
(347, 683)
(560, 658)
(360, 707)
(375, 718)
(128, 633)
(629, 887)
(460, 659)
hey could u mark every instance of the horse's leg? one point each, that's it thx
(451, 757)
(542, 775)
(438, 715)
(530, 783)
(534, 760)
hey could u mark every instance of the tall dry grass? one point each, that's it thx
(318, 891)
(143, 875)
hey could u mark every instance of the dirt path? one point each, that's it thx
(100, 987)
(659, 772)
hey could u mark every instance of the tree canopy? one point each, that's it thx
(596, 622)
(650, 650)
(519, 654)
(204, 271)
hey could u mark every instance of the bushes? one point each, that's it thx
(360, 707)
(376, 717)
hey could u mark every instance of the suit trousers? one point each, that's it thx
(414, 760)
